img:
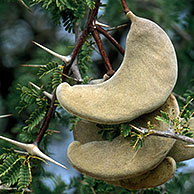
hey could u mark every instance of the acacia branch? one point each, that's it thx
(105, 58)
(167, 134)
(112, 40)
(125, 7)
(46, 121)
(92, 17)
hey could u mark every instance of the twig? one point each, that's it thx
(94, 48)
(125, 7)
(112, 40)
(98, 40)
(182, 99)
(116, 27)
(5, 116)
(48, 95)
(92, 17)
(74, 67)
(68, 77)
(46, 121)
(31, 65)
(167, 134)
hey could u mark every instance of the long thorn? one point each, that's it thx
(5, 116)
(117, 27)
(65, 59)
(32, 149)
(30, 65)
(17, 143)
(50, 96)
(37, 152)
(101, 24)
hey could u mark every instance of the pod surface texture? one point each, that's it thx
(158, 176)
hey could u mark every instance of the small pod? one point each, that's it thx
(117, 160)
(142, 83)
(158, 176)
(181, 153)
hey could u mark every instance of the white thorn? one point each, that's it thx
(101, 24)
(30, 65)
(17, 143)
(189, 146)
(4, 116)
(65, 59)
(32, 149)
(50, 96)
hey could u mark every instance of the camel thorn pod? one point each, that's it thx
(115, 160)
(179, 152)
(158, 176)
(142, 83)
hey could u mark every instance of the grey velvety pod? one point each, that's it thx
(85, 131)
(179, 152)
(117, 160)
(142, 84)
(158, 176)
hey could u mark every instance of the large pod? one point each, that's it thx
(117, 160)
(142, 84)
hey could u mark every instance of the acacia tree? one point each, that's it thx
(18, 169)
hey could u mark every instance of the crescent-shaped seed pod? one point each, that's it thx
(158, 176)
(142, 84)
(116, 160)
(179, 152)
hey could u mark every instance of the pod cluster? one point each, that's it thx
(137, 92)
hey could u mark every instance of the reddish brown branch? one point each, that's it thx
(113, 41)
(125, 7)
(92, 17)
(105, 58)
(46, 121)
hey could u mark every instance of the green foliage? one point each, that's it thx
(84, 58)
(109, 132)
(35, 118)
(9, 170)
(90, 3)
(25, 177)
(70, 11)
(164, 117)
(125, 130)
(15, 169)
(73, 121)
(179, 123)
(50, 67)
(56, 79)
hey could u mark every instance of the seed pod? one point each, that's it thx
(117, 160)
(142, 84)
(181, 153)
(158, 176)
